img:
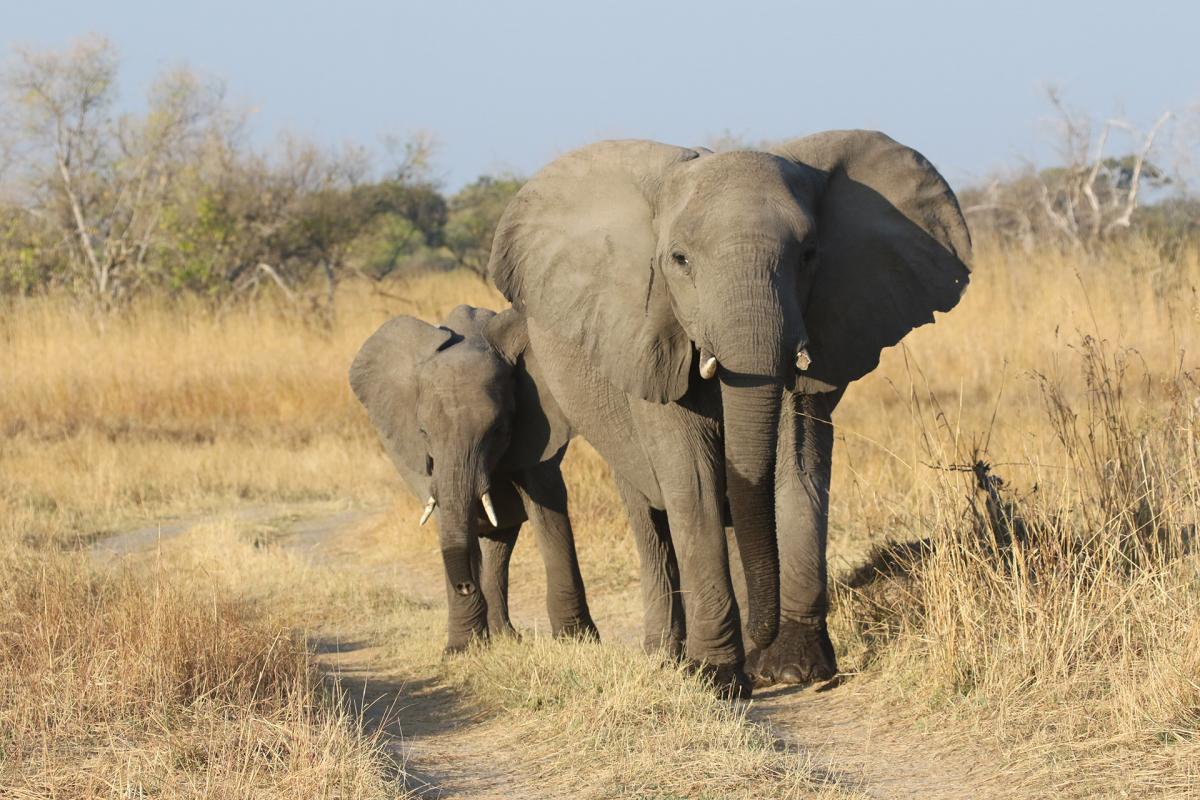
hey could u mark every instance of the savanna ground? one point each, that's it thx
(212, 583)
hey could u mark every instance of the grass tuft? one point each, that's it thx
(119, 684)
(586, 715)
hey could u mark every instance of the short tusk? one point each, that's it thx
(428, 510)
(803, 359)
(708, 365)
(490, 509)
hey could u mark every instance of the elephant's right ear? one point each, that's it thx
(384, 379)
(575, 251)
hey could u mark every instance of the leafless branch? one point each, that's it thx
(1123, 219)
(271, 273)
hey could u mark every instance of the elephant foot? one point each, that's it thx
(729, 680)
(462, 643)
(670, 646)
(503, 629)
(582, 629)
(801, 653)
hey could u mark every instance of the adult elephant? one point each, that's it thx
(645, 269)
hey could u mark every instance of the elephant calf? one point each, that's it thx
(470, 434)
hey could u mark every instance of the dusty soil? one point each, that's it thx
(446, 748)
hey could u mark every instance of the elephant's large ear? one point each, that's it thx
(892, 247)
(384, 378)
(575, 251)
(539, 428)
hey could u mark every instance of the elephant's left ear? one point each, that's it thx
(893, 247)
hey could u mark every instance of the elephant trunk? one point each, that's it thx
(456, 507)
(456, 540)
(751, 355)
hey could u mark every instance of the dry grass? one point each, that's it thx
(1060, 614)
(171, 408)
(602, 721)
(1077, 641)
(120, 684)
(580, 719)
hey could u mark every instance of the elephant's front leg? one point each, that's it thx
(468, 619)
(661, 601)
(714, 634)
(496, 548)
(802, 652)
(687, 462)
(545, 497)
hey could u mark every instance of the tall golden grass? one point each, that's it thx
(1060, 619)
(171, 407)
(1038, 503)
(121, 684)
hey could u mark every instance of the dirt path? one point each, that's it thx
(878, 751)
(446, 749)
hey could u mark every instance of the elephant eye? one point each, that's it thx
(808, 253)
(428, 464)
(681, 260)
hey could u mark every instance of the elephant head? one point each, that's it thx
(455, 416)
(785, 269)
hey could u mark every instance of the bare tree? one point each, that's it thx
(63, 101)
(1087, 199)
(411, 158)
(103, 179)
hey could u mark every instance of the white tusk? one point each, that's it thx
(490, 509)
(708, 365)
(803, 359)
(428, 510)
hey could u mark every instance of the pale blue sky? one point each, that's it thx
(507, 85)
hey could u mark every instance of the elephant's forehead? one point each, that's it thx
(462, 383)
(731, 190)
(749, 169)
(452, 410)
(734, 217)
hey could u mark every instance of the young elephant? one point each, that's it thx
(470, 434)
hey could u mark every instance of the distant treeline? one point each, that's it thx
(174, 199)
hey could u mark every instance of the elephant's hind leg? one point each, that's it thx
(661, 601)
(496, 548)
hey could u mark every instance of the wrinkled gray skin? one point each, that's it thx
(636, 262)
(459, 419)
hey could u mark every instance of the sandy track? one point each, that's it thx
(444, 746)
